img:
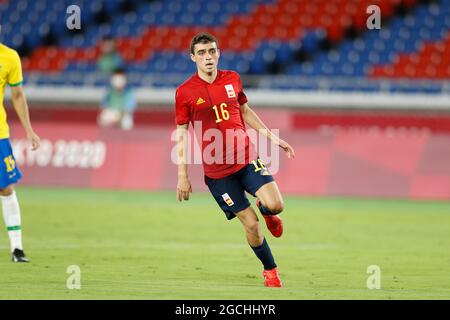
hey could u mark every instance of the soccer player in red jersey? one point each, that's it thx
(215, 98)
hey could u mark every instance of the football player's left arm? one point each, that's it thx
(21, 107)
(252, 119)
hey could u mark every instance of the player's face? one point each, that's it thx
(206, 56)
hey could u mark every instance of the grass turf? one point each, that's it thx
(137, 245)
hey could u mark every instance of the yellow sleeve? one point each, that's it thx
(15, 75)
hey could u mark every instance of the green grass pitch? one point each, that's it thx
(138, 245)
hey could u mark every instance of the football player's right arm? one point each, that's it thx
(15, 79)
(184, 185)
(21, 107)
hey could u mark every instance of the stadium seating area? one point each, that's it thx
(321, 44)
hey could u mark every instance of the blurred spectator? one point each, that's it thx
(110, 59)
(119, 103)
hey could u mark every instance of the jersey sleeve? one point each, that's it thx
(182, 109)
(15, 75)
(242, 98)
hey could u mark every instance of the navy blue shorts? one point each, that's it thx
(229, 192)
(9, 173)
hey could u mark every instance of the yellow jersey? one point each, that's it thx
(11, 74)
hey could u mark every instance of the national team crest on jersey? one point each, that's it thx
(230, 91)
(227, 199)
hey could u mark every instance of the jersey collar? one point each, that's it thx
(218, 76)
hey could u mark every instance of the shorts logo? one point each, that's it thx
(200, 101)
(230, 91)
(227, 199)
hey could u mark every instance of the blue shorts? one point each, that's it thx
(229, 192)
(9, 173)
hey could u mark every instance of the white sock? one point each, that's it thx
(11, 215)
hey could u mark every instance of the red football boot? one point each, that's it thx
(273, 222)
(272, 278)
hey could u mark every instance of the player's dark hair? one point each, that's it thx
(203, 37)
(108, 37)
(119, 70)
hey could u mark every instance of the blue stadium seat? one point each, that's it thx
(28, 23)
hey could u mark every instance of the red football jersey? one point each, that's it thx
(217, 106)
